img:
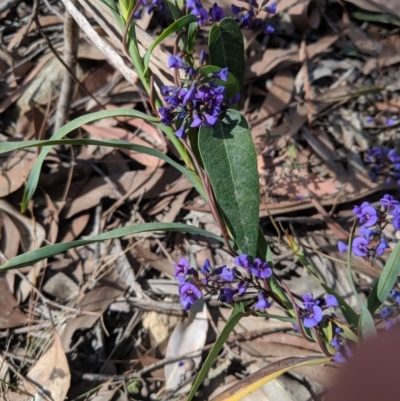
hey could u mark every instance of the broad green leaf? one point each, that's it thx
(254, 381)
(32, 257)
(174, 27)
(236, 315)
(226, 47)
(389, 275)
(366, 324)
(113, 143)
(229, 157)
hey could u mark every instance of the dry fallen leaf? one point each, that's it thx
(10, 314)
(49, 378)
(188, 337)
(379, 6)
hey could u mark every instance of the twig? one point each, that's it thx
(111, 55)
(71, 44)
(7, 4)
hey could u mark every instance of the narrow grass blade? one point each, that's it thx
(30, 258)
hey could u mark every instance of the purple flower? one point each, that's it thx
(261, 269)
(188, 294)
(166, 114)
(198, 10)
(222, 75)
(243, 261)
(342, 351)
(357, 210)
(380, 249)
(396, 219)
(216, 13)
(342, 247)
(369, 216)
(242, 287)
(389, 122)
(225, 274)
(388, 317)
(268, 29)
(396, 294)
(236, 10)
(312, 314)
(389, 202)
(271, 9)
(261, 303)
(176, 62)
(189, 95)
(206, 269)
(181, 268)
(369, 119)
(330, 300)
(367, 233)
(312, 317)
(227, 294)
(359, 246)
(180, 132)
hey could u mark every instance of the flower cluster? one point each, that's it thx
(197, 102)
(383, 162)
(389, 313)
(149, 6)
(228, 282)
(214, 14)
(248, 17)
(339, 343)
(373, 219)
(312, 311)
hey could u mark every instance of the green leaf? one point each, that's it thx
(226, 47)
(366, 324)
(375, 17)
(287, 319)
(191, 38)
(250, 383)
(236, 315)
(31, 184)
(174, 27)
(32, 257)
(229, 157)
(113, 143)
(173, 8)
(389, 275)
(387, 280)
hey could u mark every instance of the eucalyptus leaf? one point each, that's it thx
(228, 153)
